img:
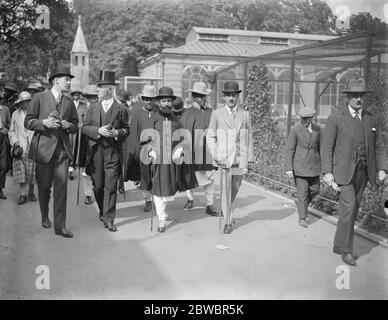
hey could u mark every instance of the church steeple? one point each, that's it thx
(79, 64)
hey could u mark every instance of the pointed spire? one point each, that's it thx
(79, 44)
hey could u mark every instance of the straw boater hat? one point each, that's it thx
(230, 87)
(166, 92)
(23, 96)
(149, 91)
(356, 86)
(107, 77)
(60, 72)
(200, 88)
(91, 91)
(306, 112)
(76, 92)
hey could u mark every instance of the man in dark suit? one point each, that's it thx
(5, 123)
(53, 117)
(352, 151)
(302, 161)
(106, 125)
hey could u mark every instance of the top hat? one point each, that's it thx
(177, 104)
(11, 86)
(107, 77)
(23, 96)
(356, 86)
(166, 92)
(231, 86)
(123, 95)
(61, 71)
(306, 112)
(33, 88)
(200, 88)
(149, 91)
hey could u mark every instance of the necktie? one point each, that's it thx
(357, 115)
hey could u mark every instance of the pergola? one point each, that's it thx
(367, 51)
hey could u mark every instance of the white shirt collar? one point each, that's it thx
(353, 112)
(56, 93)
(106, 104)
(230, 110)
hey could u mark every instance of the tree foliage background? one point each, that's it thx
(122, 33)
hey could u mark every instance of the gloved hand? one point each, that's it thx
(152, 154)
(177, 157)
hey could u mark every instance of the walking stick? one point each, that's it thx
(152, 213)
(31, 180)
(77, 159)
(221, 197)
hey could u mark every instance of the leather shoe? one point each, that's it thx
(303, 223)
(32, 197)
(228, 228)
(210, 210)
(22, 200)
(88, 200)
(100, 216)
(71, 176)
(64, 233)
(148, 206)
(110, 227)
(121, 189)
(2, 195)
(46, 223)
(354, 256)
(162, 226)
(348, 259)
(189, 204)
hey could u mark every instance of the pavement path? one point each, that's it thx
(267, 256)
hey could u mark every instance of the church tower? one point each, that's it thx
(79, 61)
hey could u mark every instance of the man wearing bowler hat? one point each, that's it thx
(53, 117)
(231, 143)
(10, 96)
(106, 125)
(302, 161)
(352, 152)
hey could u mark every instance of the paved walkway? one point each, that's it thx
(267, 256)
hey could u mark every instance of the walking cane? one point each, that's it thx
(77, 159)
(31, 182)
(152, 213)
(221, 197)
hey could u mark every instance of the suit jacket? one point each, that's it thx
(337, 148)
(231, 143)
(118, 119)
(5, 119)
(41, 105)
(302, 151)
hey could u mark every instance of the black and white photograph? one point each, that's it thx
(194, 155)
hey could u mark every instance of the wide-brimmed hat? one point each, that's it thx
(149, 91)
(356, 86)
(123, 95)
(107, 77)
(11, 86)
(306, 112)
(200, 88)
(23, 96)
(76, 91)
(91, 91)
(177, 104)
(231, 86)
(166, 92)
(33, 87)
(61, 71)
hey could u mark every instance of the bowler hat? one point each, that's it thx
(107, 77)
(23, 96)
(11, 86)
(177, 104)
(123, 95)
(166, 92)
(200, 88)
(356, 86)
(306, 112)
(60, 72)
(149, 91)
(231, 86)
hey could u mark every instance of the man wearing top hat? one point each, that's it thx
(106, 125)
(302, 161)
(352, 153)
(230, 140)
(136, 169)
(202, 159)
(53, 117)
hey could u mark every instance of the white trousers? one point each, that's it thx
(160, 206)
(209, 193)
(229, 188)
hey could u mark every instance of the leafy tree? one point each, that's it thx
(363, 21)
